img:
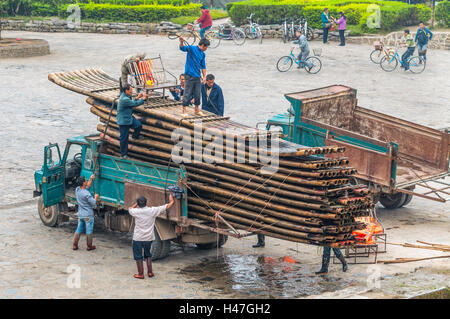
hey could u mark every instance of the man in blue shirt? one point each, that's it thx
(125, 119)
(422, 36)
(86, 203)
(212, 96)
(195, 63)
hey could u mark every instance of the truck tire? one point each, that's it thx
(392, 201)
(408, 198)
(222, 240)
(160, 248)
(49, 215)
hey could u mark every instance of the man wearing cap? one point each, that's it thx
(124, 69)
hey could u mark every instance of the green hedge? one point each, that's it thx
(52, 7)
(442, 13)
(142, 13)
(393, 14)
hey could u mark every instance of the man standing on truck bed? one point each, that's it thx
(195, 63)
(86, 203)
(125, 119)
(144, 233)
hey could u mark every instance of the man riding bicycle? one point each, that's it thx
(304, 49)
(409, 51)
(205, 20)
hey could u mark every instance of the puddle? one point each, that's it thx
(256, 276)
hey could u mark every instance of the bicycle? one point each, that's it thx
(228, 32)
(253, 30)
(389, 63)
(312, 64)
(288, 31)
(305, 29)
(379, 52)
(191, 35)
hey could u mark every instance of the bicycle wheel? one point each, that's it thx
(213, 38)
(173, 35)
(249, 33)
(189, 37)
(238, 37)
(416, 64)
(284, 63)
(313, 65)
(376, 56)
(309, 34)
(388, 63)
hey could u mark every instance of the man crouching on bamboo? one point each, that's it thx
(144, 234)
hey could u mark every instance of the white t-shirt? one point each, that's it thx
(144, 221)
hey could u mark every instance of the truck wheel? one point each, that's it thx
(160, 248)
(392, 201)
(48, 215)
(222, 240)
(408, 198)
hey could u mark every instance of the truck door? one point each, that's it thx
(53, 176)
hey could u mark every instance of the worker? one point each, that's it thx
(411, 46)
(144, 233)
(304, 50)
(195, 63)
(212, 96)
(178, 91)
(124, 70)
(423, 34)
(126, 120)
(261, 241)
(86, 203)
(205, 21)
(326, 260)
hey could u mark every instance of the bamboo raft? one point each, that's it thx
(308, 199)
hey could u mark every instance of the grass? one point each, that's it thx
(215, 14)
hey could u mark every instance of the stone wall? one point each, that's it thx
(57, 25)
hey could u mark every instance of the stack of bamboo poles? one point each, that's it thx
(308, 199)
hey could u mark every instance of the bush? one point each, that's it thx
(393, 13)
(442, 13)
(142, 13)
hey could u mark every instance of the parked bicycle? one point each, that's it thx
(191, 35)
(389, 62)
(305, 29)
(253, 30)
(228, 31)
(288, 31)
(311, 64)
(379, 52)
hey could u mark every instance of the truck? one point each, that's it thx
(119, 182)
(397, 159)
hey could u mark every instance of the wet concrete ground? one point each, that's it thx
(34, 259)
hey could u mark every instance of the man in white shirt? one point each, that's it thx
(144, 234)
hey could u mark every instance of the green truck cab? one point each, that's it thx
(119, 182)
(397, 159)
